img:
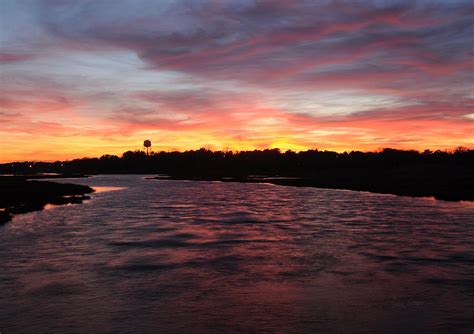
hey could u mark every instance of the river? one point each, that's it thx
(162, 256)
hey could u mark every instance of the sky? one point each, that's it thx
(86, 78)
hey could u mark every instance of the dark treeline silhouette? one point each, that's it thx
(270, 162)
(447, 175)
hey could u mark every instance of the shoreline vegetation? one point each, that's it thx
(405, 188)
(440, 174)
(20, 194)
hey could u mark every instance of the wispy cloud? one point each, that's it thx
(238, 73)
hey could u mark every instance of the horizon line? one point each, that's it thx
(379, 150)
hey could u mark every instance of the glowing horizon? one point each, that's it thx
(83, 79)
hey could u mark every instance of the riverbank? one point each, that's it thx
(414, 182)
(19, 194)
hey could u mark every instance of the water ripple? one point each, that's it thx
(180, 256)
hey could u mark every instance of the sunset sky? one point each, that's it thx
(86, 78)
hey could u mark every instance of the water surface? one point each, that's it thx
(180, 256)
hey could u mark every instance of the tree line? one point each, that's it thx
(256, 162)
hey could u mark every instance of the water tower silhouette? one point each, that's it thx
(147, 144)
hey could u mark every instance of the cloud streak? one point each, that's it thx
(240, 74)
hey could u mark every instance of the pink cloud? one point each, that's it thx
(14, 57)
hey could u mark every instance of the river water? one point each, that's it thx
(161, 256)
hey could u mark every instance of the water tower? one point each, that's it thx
(147, 144)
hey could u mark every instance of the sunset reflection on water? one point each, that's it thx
(182, 256)
(104, 189)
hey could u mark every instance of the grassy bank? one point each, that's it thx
(440, 182)
(19, 195)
